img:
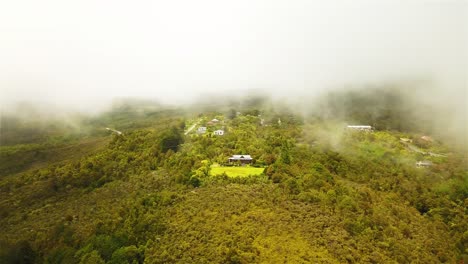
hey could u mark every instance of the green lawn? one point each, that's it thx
(235, 171)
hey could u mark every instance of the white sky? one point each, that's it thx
(85, 52)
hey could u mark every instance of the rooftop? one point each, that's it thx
(241, 157)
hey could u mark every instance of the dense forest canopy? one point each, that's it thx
(74, 192)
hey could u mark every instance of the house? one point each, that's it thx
(426, 138)
(219, 132)
(214, 120)
(360, 128)
(406, 140)
(201, 130)
(424, 163)
(210, 123)
(242, 159)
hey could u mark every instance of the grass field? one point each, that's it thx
(235, 171)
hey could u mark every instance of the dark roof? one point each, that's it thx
(240, 157)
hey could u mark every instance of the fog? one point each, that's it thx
(84, 54)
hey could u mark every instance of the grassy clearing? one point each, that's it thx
(235, 171)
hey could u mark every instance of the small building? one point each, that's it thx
(201, 130)
(426, 138)
(219, 132)
(406, 140)
(210, 123)
(214, 120)
(242, 159)
(360, 127)
(425, 163)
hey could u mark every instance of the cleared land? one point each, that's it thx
(235, 171)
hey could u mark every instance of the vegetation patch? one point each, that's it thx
(152, 195)
(241, 171)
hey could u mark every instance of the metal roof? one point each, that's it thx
(241, 157)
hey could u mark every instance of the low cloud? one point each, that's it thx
(83, 55)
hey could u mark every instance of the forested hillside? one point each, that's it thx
(327, 194)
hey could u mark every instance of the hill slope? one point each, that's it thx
(326, 195)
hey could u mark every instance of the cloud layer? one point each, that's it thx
(84, 53)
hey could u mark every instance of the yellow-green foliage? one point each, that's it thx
(153, 196)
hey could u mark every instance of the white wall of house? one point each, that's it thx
(219, 132)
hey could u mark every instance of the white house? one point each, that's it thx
(361, 128)
(218, 132)
(424, 163)
(215, 120)
(201, 130)
(242, 159)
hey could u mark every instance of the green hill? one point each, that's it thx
(324, 194)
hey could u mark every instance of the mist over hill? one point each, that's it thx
(326, 193)
(402, 106)
(219, 132)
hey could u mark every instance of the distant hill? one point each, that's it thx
(81, 194)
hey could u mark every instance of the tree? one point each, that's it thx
(125, 255)
(285, 155)
(171, 140)
(232, 114)
(20, 253)
(92, 258)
